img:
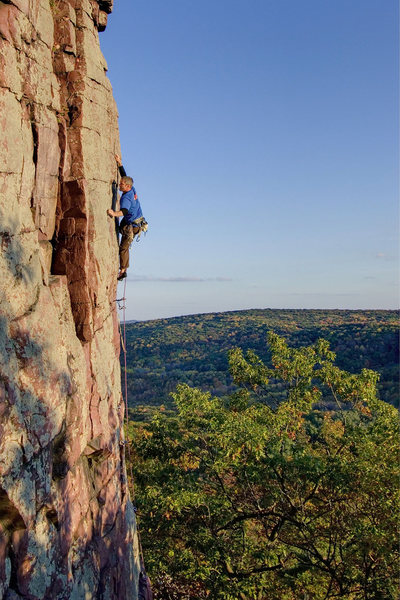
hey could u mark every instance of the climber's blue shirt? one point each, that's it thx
(133, 207)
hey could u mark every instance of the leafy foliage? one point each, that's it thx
(242, 498)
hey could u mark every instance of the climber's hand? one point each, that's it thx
(118, 159)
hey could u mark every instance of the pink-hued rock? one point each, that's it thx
(67, 525)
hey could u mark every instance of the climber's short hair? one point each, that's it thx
(127, 180)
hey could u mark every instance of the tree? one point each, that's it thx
(240, 498)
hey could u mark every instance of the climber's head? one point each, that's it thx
(126, 183)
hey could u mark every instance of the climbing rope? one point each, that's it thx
(125, 355)
(122, 332)
(122, 306)
(145, 592)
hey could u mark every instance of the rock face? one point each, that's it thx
(67, 526)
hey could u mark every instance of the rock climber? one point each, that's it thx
(131, 212)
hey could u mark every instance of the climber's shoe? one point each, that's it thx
(122, 275)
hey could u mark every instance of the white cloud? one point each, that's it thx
(177, 279)
(384, 256)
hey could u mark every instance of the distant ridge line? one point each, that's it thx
(273, 310)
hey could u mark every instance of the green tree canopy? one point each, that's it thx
(245, 499)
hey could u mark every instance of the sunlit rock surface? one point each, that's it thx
(67, 527)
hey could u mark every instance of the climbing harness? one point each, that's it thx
(143, 227)
(145, 592)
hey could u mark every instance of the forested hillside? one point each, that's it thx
(194, 349)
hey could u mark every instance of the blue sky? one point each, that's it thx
(262, 136)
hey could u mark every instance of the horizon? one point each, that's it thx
(264, 148)
(354, 310)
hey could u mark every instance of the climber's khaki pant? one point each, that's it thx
(128, 233)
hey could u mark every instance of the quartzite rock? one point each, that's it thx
(67, 526)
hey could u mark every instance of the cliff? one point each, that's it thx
(67, 526)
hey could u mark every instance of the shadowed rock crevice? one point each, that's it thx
(10, 518)
(82, 90)
(59, 455)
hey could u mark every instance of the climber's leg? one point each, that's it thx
(126, 240)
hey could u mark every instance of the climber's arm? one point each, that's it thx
(117, 213)
(121, 169)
